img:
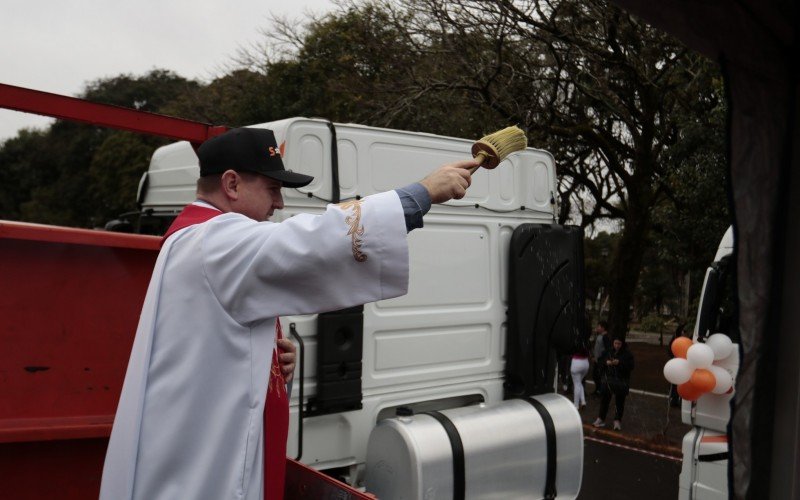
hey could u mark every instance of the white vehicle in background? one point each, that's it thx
(495, 286)
(704, 475)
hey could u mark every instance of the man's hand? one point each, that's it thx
(286, 359)
(450, 181)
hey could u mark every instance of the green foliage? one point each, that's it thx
(658, 286)
(652, 323)
(597, 254)
(241, 97)
(60, 196)
(150, 92)
(360, 66)
(114, 172)
(79, 175)
(22, 168)
(689, 225)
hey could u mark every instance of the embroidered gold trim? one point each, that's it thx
(276, 377)
(356, 231)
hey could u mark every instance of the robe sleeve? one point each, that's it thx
(355, 252)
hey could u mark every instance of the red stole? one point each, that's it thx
(189, 216)
(276, 409)
(276, 419)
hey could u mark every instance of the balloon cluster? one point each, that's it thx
(693, 369)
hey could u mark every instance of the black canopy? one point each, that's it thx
(756, 43)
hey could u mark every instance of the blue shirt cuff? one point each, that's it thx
(416, 202)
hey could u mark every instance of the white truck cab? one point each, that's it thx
(445, 344)
(704, 475)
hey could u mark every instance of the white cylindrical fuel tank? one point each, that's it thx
(520, 448)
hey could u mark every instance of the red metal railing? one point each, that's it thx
(80, 110)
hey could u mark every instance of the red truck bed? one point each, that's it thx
(69, 305)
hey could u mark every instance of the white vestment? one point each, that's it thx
(189, 421)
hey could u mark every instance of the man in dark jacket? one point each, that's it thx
(618, 365)
(602, 343)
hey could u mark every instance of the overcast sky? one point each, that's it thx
(59, 46)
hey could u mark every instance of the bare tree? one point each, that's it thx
(604, 92)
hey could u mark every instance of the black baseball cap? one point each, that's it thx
(247, 150)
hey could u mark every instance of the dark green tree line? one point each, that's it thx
(79, 175)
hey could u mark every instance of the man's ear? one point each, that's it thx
(230, 182)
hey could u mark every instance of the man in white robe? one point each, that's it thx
(189, 422)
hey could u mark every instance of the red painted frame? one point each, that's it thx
(107, 115)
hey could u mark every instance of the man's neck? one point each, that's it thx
(213, 203)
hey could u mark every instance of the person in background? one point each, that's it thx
(618, 364)
(578, 369)
(602, 343)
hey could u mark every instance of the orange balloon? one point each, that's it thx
(703, 380)
(680, 346)
(688, 392)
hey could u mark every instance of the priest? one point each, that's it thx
(203, 412)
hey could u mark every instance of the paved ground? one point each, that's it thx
(612, 471)
(648, 422)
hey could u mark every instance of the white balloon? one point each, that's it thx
(724, 379)
(700, 356)
(721, 345)
(678, 371)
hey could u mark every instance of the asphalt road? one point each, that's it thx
(614, 473)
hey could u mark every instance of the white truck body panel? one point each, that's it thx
(446, 337)
(703, 480)
(371, 160)
(725, 246)
(709, 415)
